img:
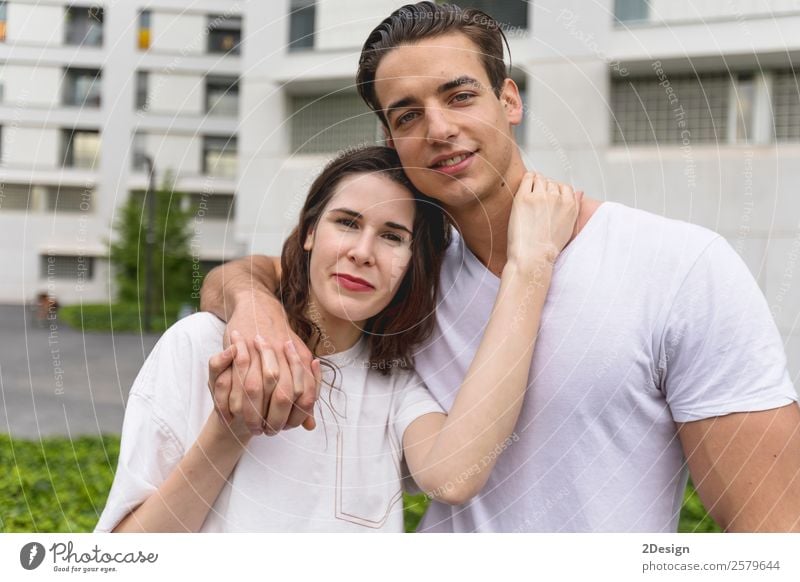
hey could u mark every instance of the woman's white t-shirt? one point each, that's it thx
(343, 476)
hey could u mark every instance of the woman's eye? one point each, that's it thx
(393, 237)
(346, 221)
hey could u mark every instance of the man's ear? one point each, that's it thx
(512, 102)
(308, 244)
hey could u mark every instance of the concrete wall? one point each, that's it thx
(26, 85)
(175, 93)
(35, 24)
(175, 32)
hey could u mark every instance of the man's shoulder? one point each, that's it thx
(656, 225)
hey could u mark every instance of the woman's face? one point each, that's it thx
(361, 247)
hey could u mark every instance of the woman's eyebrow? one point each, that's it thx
(358, 215)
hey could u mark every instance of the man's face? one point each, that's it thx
(452, 133)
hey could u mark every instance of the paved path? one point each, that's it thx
(64, 381)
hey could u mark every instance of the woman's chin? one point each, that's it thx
(349, 309)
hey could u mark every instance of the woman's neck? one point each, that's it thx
(332, 335)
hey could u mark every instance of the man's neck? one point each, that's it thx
(484, 225)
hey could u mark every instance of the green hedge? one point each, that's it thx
(56, 485)
(117, 317)
(61, 485)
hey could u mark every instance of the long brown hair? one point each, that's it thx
(409, 317)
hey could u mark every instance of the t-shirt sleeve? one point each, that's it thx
(412, 399)
(721, 351)
(156, 422)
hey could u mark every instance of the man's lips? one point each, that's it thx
(453, 163)
(352, 283)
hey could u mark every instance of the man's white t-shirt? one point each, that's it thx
(343, 476)
(648, 322)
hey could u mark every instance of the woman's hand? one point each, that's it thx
(542, 221)
(233, 422)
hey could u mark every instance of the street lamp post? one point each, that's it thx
(149, 242)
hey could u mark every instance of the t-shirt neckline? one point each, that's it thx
(582, 235)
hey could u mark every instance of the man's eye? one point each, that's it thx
(462, 97)
(406, 117)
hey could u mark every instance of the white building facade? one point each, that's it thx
(88, 90)
(689, 109)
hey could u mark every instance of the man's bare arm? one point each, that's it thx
(242, 293)
(237, 280)
(746, 468)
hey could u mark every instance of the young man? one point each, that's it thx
(656, 346)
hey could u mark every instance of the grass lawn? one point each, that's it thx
(58, 485)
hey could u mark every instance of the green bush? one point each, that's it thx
(55, 485)
(60, 485)
(117, 317)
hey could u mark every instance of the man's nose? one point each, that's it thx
(441, 127)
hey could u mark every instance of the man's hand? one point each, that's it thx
(264, 374)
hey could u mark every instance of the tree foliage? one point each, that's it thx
(171, 260)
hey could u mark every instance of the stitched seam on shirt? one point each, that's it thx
(689, 271)
(162, 424)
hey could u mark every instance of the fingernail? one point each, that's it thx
(259, 339)
(235, 333)
(290, 345)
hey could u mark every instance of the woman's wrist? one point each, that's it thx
(226, 435)
(538, 267)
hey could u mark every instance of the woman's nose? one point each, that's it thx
(361, 251)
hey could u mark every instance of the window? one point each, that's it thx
(222, 96)
(644, 111)
(219, 156)
(743, 107)
(207, 264)
(301, 24)
(224, 34)
(84, 26)
(15, 197)
(142, 84)
(144, 30)
(324, 124)
(81, 148)
(82, 87)
(212, 206)
(631, 10)
(66, 199)
(3, 8)
(786, 105)
(66, 267)
(139, 149)
(507, 13)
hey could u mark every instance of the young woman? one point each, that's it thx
(359, 285)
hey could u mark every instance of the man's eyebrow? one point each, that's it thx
(462, 80)
(443, 88)
(359, 216)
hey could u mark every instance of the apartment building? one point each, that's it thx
(89, 91)
(688, 109)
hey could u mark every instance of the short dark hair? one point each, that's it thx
(415, 22)
(408, 318)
